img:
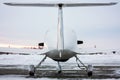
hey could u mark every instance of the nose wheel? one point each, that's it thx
(59, 72)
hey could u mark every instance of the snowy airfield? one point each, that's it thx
(35, 59)
(11, 61)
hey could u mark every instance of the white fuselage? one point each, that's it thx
(61, 41)
(70, 45)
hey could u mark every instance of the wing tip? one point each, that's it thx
(7, 3)
(113, 3)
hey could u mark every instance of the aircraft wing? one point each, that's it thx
(22, 51)
(63, 4)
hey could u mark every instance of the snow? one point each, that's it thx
(35, 59)
(21, 77)
(22, 50)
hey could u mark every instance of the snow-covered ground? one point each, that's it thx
(35, 59)
(21, 77)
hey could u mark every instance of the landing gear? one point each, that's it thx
(90, 73)
(59, 68)
(59, 72)
(33, 69)
(89, 69)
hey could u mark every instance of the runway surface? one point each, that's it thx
(101, 72)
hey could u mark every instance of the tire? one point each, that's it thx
(32, 70)
(31, 73)
(90, 73)
(90, 70)
(59, 72)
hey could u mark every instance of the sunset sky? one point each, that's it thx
(26, 26)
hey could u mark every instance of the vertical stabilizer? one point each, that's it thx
(60, 29)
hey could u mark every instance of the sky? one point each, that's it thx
(26, 26)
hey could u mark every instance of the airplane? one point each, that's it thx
(64, 48)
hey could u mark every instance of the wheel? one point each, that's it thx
(90, 70)
(59, 72)
(32, 70)
(90, 73)
(31, 73)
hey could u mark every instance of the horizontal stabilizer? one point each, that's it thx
(63, 4)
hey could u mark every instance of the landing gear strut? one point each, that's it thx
(89, 69)
(33, 69)
(59, 68)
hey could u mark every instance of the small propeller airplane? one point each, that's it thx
(64, 48)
